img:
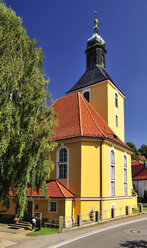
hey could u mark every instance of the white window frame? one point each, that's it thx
(58, 162)
(49, 207)
(125, 169)
(113, 180)
(87, 90)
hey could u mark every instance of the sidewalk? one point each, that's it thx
(51, 240)
(9, 237)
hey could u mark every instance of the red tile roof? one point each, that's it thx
(136, 169)
(54, 189)
(141, 175)
(143, 157)
(136, 162)
(77, 118)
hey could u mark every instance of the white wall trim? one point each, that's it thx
(102, 198)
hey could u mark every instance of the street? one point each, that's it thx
(129, 232)
(115, 236)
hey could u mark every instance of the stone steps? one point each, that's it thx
(20, 224)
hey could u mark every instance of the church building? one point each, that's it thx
(92, 162)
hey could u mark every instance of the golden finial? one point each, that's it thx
(95, 20)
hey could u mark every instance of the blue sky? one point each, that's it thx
(62, 29)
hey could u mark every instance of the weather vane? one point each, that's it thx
(95, 20)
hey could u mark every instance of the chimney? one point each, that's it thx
(145, 165)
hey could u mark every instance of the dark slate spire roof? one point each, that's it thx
(91, 76)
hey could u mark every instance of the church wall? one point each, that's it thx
(119, 153)
(98, 99)
(75, 167)
(74, 183)
(119, 205)
(112, 112)
(87, 206)
(90, 169)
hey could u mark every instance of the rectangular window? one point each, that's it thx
(125, 175)
(63, 171)
(116, 100)
(125, 188)
(52, 207)
(116, 120)
(112, 172)
(112, 188)
(125, 170)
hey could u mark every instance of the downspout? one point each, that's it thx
(101, 173)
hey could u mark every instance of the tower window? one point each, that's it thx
(116, 120)
(103, 60)
(116, 100)
(86, 96)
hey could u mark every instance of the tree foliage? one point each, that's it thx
(135, 155)
(26, 121)
(143, 150)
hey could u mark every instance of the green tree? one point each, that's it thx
(143, 150)
(135, 155)
(26, 121)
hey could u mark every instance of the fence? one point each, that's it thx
(73, 222)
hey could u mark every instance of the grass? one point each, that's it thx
(43, 231)
(137, 210)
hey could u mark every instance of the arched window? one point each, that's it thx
(125, 170)
(86, 96)
(112, 173)
(62, 163)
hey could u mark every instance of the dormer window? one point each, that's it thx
(86, 94)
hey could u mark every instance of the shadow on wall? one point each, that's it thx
(134, 244)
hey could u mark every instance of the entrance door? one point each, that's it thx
(28, 212)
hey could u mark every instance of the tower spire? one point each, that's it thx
(95, 52)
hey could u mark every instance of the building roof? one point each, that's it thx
(141, 175)
(136, 169)
(96, 74)
(136, 162)
(54, 189)
(77, 118)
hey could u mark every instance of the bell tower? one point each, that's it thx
(98, 88)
